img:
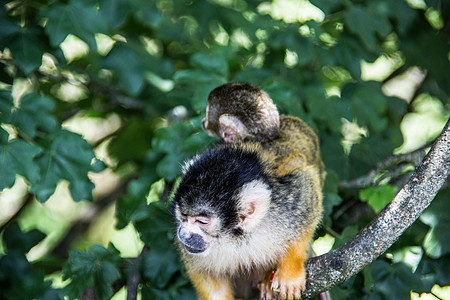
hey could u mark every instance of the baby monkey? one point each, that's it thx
(242, 112)
(246, 210)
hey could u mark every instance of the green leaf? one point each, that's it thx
(379, 196)
(16, 240)
(368, 278)
(160, 264)
(34, 114)
(130, 74)
(394, 281)
(116, 11)
(327, 6)
(77, 17)
(17, 157)
(366, 25)
(369, 111)
(156, 228)
(210, 63)
(69, 157)
(96, 266)
(19, 280)
(437, 240)
(348, 233)
(8, 27)
(290, 38)
(6, 106)
(136, 132)
(434, 271)
(131, 207)
(27, 46)
(167, 140)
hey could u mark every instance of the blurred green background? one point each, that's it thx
(102, 101)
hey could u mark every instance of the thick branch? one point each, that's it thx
(335, 267)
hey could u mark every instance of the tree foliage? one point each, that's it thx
(149, 66)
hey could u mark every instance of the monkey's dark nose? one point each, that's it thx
(195, 243)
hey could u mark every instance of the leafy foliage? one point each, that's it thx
(149, 65)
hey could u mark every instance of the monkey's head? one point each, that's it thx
(241, 111)
(224, 193)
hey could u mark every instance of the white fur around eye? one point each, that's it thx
(254, 202)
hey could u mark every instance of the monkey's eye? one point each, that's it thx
(202, 220)
(182, 215)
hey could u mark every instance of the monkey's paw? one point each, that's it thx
(266, 290)
(289, 287)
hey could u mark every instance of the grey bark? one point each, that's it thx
(330, 269)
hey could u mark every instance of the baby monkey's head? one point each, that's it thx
(241, 112)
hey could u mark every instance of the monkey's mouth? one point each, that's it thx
(194, 250)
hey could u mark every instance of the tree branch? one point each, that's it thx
(135, 276)
(372, 177)
(338, 265)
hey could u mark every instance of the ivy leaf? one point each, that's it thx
(19, 280)
(8, 27)
(362, 22)
(157, 226)
(394, 281)
(17, 157)
(379, 196)
(166, 140)
(34, 114)
(210, 63)
(437, 240)
(370, 112)
(160, 265)
(347, 234)
(68, 157)
(434, 271)
(16, 240)
(76, 17)
(6, 105)
(95, 267)
(130, 207)
(130, 74)
(27, 44)
(327, 6)
(116, 11)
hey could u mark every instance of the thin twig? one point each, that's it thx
(414, 157)
(135, 276)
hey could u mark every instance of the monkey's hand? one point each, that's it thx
(266, 288)
(289, 284)
(290, 278)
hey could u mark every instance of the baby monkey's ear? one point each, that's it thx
(232, 129)
(254, 200)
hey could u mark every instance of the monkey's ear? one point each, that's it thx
(232, 129)
(254, 202)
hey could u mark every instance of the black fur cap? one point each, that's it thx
(212, 180)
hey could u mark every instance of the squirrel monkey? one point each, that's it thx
(246, 210)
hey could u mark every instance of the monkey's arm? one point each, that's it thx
(290, 277)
